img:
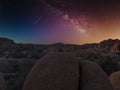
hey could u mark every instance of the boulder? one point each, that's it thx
(66, 72)
(93, 77)
(54, 72)
(115, 80)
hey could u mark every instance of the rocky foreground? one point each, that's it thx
(64, 71)
(17, 60)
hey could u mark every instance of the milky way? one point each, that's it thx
(99, 19)
(67, 21)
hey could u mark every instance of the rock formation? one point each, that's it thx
(115, 80)
(65, 72)
(54, 72)
(93, 77)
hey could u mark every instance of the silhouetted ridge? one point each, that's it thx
(11, 49)
(110, 45)
(6, 41)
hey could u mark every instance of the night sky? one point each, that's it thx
(66, 21)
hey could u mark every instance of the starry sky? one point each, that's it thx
(66, 21)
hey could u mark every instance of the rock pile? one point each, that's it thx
(65, 72)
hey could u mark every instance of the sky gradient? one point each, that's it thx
(66, 21)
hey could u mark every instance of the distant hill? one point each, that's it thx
(6, 42)
(106, 46)
(110, 45)
(9, 48)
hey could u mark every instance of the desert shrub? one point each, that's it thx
(13, 84)
(2, 82)
(108, 64)
(15, 71)
(60, 50)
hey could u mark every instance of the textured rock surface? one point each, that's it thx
(2, 82)
(54, 72)
(93, 77)
(115, 80)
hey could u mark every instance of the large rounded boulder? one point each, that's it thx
(115, 80)
(66, 72)
(93, 77)
(54, 72)
(2, 82)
